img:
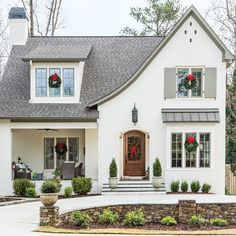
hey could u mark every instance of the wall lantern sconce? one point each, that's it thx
(19, 160)
(135, 115)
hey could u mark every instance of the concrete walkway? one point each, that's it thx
(21, 220)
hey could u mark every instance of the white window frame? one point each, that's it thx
(183, 132)
(190, 91)
(54, 152)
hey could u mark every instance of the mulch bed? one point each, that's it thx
(151, 226)
(8, 199)
(189, 193)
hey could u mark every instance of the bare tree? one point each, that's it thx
(222, 14)
(48, 25)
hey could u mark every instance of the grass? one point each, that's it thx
(46, 229)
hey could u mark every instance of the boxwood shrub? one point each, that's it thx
(82, 185)
(174, 186)
(20, 186)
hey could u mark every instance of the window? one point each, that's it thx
(73, 144)
(53, 160)
(182, 92)
(204, 150)
(198, 159)
(68, 78)
(190, 158)
(67, 88)
(176, 150)
(197, 91)
(49, 153)
(55, 92)
(41, 82)
(181, 74)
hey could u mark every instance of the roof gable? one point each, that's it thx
(192, 11)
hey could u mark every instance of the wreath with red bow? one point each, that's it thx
(190, 81)
(61, 148)
(191, 144)
(54, 81)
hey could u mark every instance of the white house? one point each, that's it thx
(102, 79)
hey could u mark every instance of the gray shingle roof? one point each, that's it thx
(111, 62)
(58, 53)
(190, 115)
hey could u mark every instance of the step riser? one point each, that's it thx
(133, 187)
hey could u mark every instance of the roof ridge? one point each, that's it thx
(97, 36)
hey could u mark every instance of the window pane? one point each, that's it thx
(41, 82)
(55, 92)
(60, 158)
(73, 149)
(197, 91)
(182, 73)
(191, 158)
(49, 153)
(204, 150)
(68, 81)
(176, 152)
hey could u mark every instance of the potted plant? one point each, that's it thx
(157, 171)
(34, 176)
(57, 174)
(49, 192)
(113, 180)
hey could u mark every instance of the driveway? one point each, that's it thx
(22, 219)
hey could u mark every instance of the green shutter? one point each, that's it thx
(210, 82)
(170, 83)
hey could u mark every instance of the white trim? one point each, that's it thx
(53, 125)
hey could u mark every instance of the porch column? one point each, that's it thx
(5, 157)
(91, 156)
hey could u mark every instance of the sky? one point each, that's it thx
(101, 17)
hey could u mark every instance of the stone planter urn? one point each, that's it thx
(48, 199)
(113, 182)
(156, 182)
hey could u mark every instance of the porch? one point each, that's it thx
(33, 145)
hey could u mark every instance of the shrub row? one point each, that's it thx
(137, 218)
(195, 186)
(24, 187)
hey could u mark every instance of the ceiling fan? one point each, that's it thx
(47, 129)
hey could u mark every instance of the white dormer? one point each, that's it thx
(67, 62)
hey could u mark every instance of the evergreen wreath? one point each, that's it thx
(61, 148)
(54, 81)
(191, 144)
(190, 81)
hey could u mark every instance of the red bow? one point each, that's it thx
(54, 77)
(61, 145)
(190, 77)
(190, 139)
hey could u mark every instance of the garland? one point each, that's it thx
(54, 81)
(191, 144)
(61, 149)
(190, 81)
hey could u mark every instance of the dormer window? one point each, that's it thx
(67, 62)
(66, 88)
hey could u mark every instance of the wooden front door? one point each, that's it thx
(134, 153)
